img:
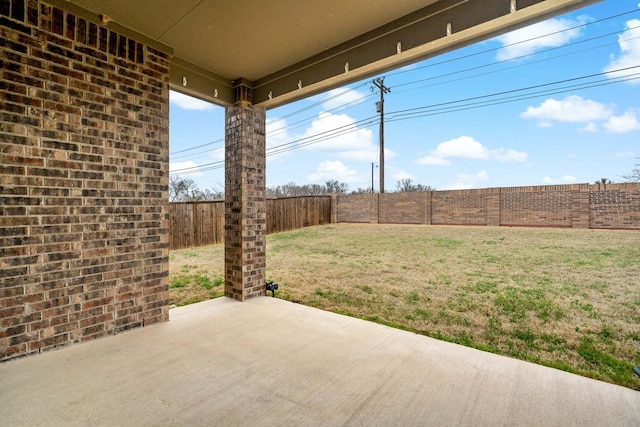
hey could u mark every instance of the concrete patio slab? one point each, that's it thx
(272, 362)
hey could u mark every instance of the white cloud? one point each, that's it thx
(335, 170)
(187, 102)
(624, 154)
(566, 179)
(572, 108)
(510, 155)
(533, 38)
(342, 136)
(398, 174)
(590, 127)
(432, 161)
(337, 98)
(628, 122)
(334, 133)
(466, 147)
(465, 181)
(629, 43)
(189, 167)
(575, 109)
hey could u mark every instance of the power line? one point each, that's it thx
(520, 57)
(326, 135)
(517, 90)
(315, 104)
(591, 49)
(516, 58)
(217, 141)
(290, 126)
(509, 99)
(440, 108)
(308, 119)
(302, 142)
(459, 58)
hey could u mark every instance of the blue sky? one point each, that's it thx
(579, 121)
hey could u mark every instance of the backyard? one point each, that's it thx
(564, 298)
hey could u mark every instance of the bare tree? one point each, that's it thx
(314, 190)
(335, 187)
(186, 190)
(634, 176)
(406, 185)
(361, 190)
(211, 194)
(292, 189)
(182, 189)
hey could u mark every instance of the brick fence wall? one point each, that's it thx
(83, 180)
(614, 206)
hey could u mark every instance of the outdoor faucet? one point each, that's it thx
(271, 286)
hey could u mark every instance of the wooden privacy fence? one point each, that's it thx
(291, 213)
(194, 224)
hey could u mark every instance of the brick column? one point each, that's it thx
(580, 206)
(427, 207)
(374, 209)
(334, 208)
(245, 202)
(493, 207)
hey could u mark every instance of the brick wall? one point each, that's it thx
(404, 208)
(468, 207)
(615, 206)
(83, 180)
(549, 206)
(356, 208)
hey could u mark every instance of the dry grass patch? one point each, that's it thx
(196, 274)
(564, 298)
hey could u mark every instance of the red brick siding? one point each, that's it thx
(83, 180)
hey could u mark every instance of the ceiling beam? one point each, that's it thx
(435, 29)
(195, 81)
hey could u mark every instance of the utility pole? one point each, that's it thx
(379, 82)
(371, 177)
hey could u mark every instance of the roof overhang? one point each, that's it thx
(280, 51)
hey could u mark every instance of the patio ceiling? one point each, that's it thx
(285, 50)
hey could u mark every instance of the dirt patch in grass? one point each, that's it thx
(565, 298)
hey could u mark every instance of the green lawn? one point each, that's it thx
(564, 298)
